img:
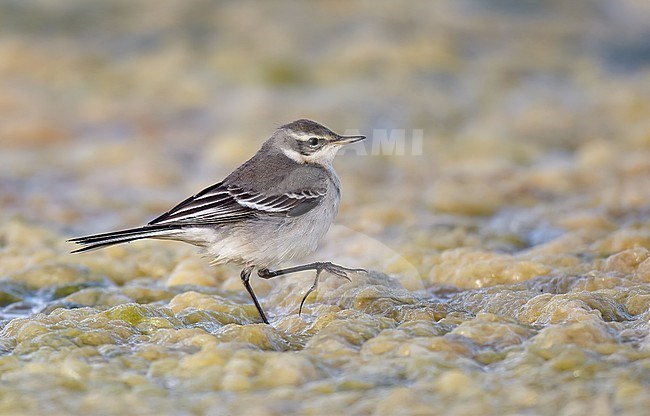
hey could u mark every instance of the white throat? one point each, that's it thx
(323, 157)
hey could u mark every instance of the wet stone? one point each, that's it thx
(501, 205)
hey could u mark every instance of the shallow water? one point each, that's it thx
(509, 259)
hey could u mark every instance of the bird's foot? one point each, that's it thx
(337, 270)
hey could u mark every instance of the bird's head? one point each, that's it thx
(306, 141)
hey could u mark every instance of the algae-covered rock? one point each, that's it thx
(136, 315)
(58, 274)
(10, 292)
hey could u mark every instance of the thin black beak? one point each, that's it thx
(348, 139)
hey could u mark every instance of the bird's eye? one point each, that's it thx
(313, 141)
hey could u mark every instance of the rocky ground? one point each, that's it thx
(508, 241)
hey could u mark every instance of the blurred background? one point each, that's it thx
(513, 227)
(113, 111)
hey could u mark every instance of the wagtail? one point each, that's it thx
(274, 207)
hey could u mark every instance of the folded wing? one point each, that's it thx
(228, 203)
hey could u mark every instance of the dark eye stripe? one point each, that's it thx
(306, 148)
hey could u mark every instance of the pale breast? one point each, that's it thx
(267, 242)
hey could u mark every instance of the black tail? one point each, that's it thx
(94, 242)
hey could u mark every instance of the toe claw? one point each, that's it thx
(345, 276)
(340, 273)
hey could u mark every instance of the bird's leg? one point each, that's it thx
(335, 269)
(320, 266)
(311, 289)
(245, 279)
